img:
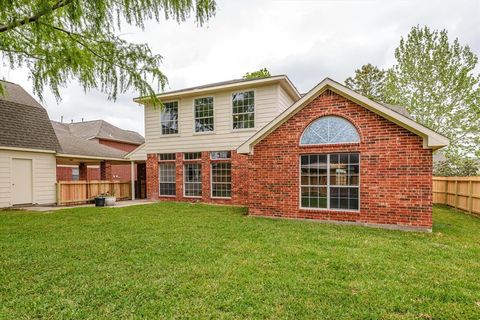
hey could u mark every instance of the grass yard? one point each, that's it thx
(174, 260)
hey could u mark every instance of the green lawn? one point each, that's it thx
(173, 260)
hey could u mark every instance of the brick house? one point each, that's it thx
(330, 155)
(106, 137)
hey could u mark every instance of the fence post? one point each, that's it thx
(470, 196)
(456, 193)
(59, 190)
(446, 190)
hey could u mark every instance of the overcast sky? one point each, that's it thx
(306, 40)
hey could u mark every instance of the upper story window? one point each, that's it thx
(169, 118)
(330, 129)
(243, 112)
(204, 121)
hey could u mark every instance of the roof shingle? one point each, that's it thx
(24, 122)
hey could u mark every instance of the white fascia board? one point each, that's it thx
(292, 90)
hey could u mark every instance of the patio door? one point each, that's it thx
(22, 183)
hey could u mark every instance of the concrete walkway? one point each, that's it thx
(119, 204)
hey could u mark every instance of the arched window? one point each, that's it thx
(330, 129)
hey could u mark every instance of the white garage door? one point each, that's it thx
(22, 181)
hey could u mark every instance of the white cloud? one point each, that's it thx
(307, 40)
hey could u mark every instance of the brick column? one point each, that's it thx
(106, 171)
(82, 172)
(179, 174)
(206, 176)
(152, 176)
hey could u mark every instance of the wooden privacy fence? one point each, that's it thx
(459, 192)
(76, 192)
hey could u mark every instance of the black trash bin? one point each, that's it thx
(99, 202)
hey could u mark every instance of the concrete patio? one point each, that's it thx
(119, 204)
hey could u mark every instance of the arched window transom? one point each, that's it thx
(330, 129)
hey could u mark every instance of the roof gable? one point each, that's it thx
(431, 138)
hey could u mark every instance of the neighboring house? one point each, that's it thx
(105, 136)
(28, 146)
(31, 148)
(330, 154)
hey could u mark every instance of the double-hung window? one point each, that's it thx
(330, 181)
(169, 118)
(167, 178)
(203, 108)
(243, 112)
(192, 179)
(221, 179)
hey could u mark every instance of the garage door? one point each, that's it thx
(22, 181)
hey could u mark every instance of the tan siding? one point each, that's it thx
(139, 154)
(224, 138)
(44, 176)
(284, 100)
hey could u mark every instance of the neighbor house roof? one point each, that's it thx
(235, 84)
(24, 122)
(431, 138)
(101, 129)
(77, 146)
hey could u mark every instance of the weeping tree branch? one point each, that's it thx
(35, 17)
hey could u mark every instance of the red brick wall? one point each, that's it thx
(239, 179)
(121, 172)
(395, 170)
(128, 147)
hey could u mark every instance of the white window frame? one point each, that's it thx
(328, 186)
(194, 118)
(168, 162)
(211, 180)
(329, 143)
(254, 111)
(178, 120)
(185, 182)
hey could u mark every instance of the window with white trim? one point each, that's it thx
(203, 108)
(243, 111)
(217, 155)
(167, 156)
(330, 181)
(192, 179)
(192, 156)
(328, 130)
(169, 118)
(167, 178)
(75, 174)
(221, 173)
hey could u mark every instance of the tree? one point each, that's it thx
(262, 73)
(464, 167)
(369, 81)
(435, 80)
(58, 40)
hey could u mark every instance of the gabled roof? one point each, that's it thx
(101, 129)
(235, 84)
(77, 146)
(24, 122)
(431, 138)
